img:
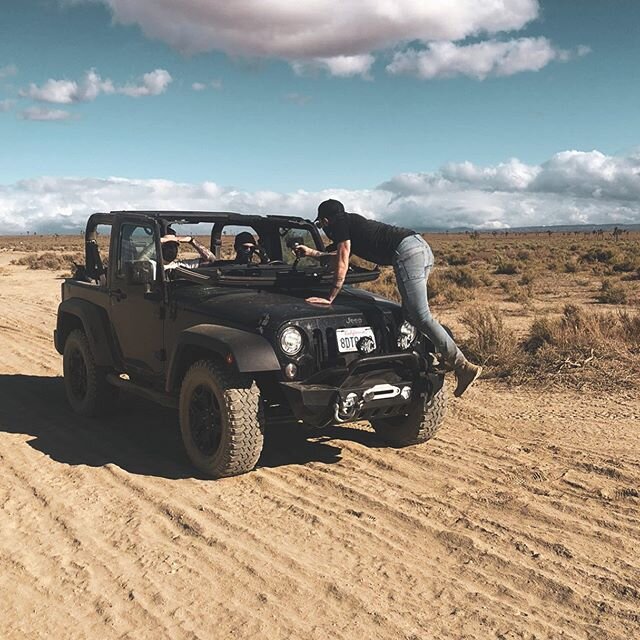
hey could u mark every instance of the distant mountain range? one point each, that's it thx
(559, 228)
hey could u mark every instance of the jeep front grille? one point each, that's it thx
(325, 346)
(319, 350)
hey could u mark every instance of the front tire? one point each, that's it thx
(221, 419)
(88, 391)
(419, 425)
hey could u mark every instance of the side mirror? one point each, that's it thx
(140, 272)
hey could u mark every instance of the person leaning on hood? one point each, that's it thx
(412, 261)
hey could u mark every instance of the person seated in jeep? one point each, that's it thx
(412, 261)
(246, 248)
(170, 245)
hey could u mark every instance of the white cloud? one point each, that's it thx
(506, 176)
(340, 66)
(337, 36)
(201, 86)
(479, 60)
(92, 85)
(57, 91)
(6, 105)
(342, 38)
(46, 115)
(572, 187)
(153, 84)
(8, 70)
(69, 91)
(590, 175)
(317, 29)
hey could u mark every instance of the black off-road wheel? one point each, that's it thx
(419, 425)
(221, 419)
(88, 391)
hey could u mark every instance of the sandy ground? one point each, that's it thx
(520, 520)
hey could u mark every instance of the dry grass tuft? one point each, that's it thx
(462, 277)
(578, 348)
(611, 293)
(491, 343)
(578, 331)
(517, 292)
(605, 255)
(507, 267)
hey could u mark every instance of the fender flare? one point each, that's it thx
(95, 324)
(251, 352)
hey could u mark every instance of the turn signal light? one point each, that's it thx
(290, 371)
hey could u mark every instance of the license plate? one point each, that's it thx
(348, 338)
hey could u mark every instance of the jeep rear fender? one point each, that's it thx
(251, 353)
(93, 320)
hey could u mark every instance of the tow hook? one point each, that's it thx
(345, 409)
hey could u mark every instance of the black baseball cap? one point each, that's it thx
(330, 209)
(244, 237)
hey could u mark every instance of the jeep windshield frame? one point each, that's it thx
(305, 273)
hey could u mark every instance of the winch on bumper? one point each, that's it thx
(372, 386)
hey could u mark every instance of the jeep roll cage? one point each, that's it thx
(227, 274)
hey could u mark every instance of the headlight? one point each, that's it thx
(406, 335)
(291, 341)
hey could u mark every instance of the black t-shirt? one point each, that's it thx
(371, 240)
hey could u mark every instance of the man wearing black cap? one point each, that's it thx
(246, 248)
(412, 261)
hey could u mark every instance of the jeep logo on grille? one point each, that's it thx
(365, 345)
(354, 321)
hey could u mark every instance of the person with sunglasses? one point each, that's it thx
(412, 261)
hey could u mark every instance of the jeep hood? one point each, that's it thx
(248, 308)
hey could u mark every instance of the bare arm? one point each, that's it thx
(303, 250)
(206, 254)
(343, 251)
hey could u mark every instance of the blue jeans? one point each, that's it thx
(412, 263)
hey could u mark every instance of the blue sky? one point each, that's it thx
(278, 121)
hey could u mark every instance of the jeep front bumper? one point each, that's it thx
(370, 387)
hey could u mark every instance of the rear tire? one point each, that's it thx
(221, 419)
(88, 391)
(419, 425)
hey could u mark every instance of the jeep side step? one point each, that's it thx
(138, 390)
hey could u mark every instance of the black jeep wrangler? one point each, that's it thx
(234, 345)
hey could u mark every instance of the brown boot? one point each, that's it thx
(466, 375)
